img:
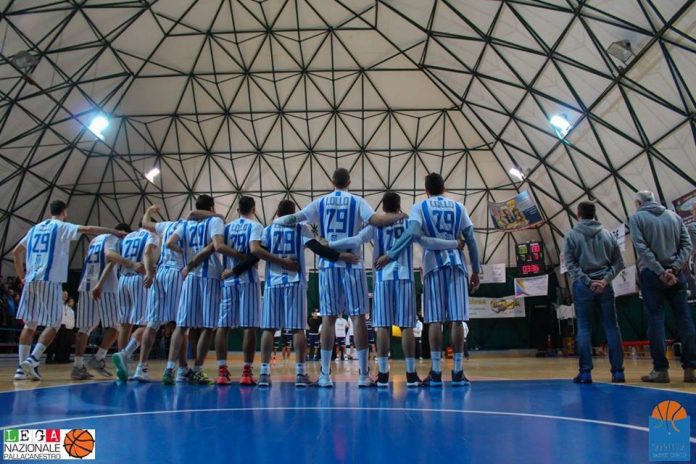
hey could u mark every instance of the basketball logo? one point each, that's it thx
(79, 443)
(667, 412)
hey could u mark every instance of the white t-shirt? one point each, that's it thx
(48, 250)
(418, 329)
(341, 326)
(95, 262)
(68, 317)
(350, 327)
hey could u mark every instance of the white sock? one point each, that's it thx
(142, 365)
(362, 361)
(265, 368)
(435, 357)
(171, 365)
(299, 368)
(79, 361)
(383, 365)
(326, 361)
(24, 351)
(132, 345)
(221, 362)
(410, 365)
(458, 359)
(38, 351)
(101, 354)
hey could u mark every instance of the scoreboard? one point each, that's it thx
(530, 259)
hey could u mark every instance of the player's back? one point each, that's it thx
(133, 248)
(383, 240)
(95, 262)
(48, 246)
(169, 258)
(286, 242)
(239, 234)
(197, 234)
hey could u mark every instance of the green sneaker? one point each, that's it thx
(199, 378)
(168, 377)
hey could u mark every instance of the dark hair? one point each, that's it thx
(587, 210)
(391, 202)
(434, 184)
(285, 207)
(341, 178)
(246, 204)
(205, 202)
(124, 227)
(57, 207)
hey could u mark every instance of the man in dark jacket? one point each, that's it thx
(662, 246)
(593, 259)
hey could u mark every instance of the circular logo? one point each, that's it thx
(79, 443)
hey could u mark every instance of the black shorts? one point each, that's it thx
(287, 340)
(341, 341)
(313, 340)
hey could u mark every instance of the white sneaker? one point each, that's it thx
(364, 381)
(31, 368)
(324, 381)
(142, 374)
(183, 375)
(19, 374)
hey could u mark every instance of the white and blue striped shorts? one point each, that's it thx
(132, 299)
(199, 303)
(446, 295)
(285, 307)
(41, 303)
(163, 296)
(240, 305)
(343, 291)
(91, 312)
(394, 303)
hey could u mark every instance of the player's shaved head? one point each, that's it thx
(341, 178)
(246, 205)
(391, 202)
(123, 227)
(205, 202)
(57, 207)
(285, 207)
(434, 184)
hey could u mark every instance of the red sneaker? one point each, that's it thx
(247, 379)
(223, 376)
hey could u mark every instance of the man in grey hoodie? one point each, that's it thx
(662, 246)
(593, 258)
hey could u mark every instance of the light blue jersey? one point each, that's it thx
(95, 262)
(133, 248)
(238, 235)
(48, 249)
(196, 236)
(169, 258)
(286, 242)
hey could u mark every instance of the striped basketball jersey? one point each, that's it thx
(133, 248)
(196, 236)
(48, 247)
(339, 215)
(168, 258)
(442, 218)
(238, 235)
(286, 242)
(95, 262)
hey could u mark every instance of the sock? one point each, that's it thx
(299, 368)
(142, 365)
(79, 361)
(362, 361)
(221, 362)
(133, 345)
(435, 357)
(38, 351)
(101, 354)
(458, 357)
(410, 365)
(383, 365)
(171, 365)
(249, 365)
(326, 361)
(24, 351)
(265, 368)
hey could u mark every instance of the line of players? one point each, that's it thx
(206, 280)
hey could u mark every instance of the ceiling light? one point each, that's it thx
(560, 124)
(621, 50)
(517, 173)
(151, 174)
(24, 60)
(98, 124)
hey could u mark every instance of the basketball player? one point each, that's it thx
(285, 296)
(340, 328)
(45, 254)
(200, 295)
(344, 285)
(98, 302)
(132, 299)
(394, 300)
(445, 272)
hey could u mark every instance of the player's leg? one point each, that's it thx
(26, 337)
(210, 292)
(266, 352)
(271, 321)
(331, 303)
(357, 300)
(250, 310)
(49, 314)
(458, 312)
(107, 309)
(434, 315)
(229, 318)
(406, 319)
(384, 306)
(86, 319)
(184, 319)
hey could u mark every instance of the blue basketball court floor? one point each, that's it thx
(539, 421)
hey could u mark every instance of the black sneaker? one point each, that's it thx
(434, 379)
(382, 379)
(412, 380)
(459, 379)
(584, 378)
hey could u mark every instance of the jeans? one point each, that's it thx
(586, 303)
(654, 295)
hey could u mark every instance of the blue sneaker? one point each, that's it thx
(459, 379)
(618, 377)
(583, 377)
(434, 379)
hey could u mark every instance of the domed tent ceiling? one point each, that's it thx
(267, 98)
